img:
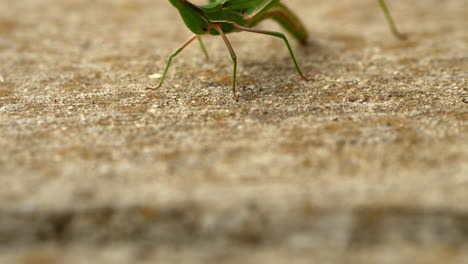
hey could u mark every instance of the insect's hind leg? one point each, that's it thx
(233, 57)
(287, 19)
(175, 53)
(279, 35)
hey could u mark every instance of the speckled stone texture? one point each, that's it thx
(366, 163)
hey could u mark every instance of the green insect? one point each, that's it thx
(220, 17)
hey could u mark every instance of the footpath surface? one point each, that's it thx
(366, 163)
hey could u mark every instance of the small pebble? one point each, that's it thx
(155, 76)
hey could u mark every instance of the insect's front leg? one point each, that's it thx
(390, 21)
(175, 53)
(202, 45)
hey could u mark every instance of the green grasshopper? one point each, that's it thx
(220, 17)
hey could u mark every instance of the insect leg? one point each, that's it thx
(233, 57)
(177, 51)
(390, 21)
(203, 48)
(287, 19)
(279, 35)
(260, 9)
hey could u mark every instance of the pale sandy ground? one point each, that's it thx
(368, 163)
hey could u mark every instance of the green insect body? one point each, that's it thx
(220, 17)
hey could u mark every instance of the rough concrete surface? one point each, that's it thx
(365, 163)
